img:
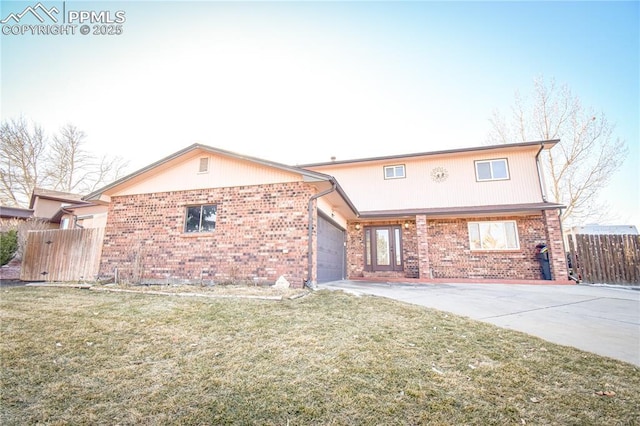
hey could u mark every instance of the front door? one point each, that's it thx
(383, 248)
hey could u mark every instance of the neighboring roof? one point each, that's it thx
(70, 209)
(467, 210)
(594, 229)
(50, 194)
(542, 144)
(15, 213)
(308, 175)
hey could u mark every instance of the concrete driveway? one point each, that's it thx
(602, 320)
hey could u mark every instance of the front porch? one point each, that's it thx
(429, 249)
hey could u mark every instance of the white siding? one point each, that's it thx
(364, 183)
(325, 206)
(223, 172)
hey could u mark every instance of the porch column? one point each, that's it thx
(423, 247)
(555, 244)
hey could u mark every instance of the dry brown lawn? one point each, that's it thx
(71, 356)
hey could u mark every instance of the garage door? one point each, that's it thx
(330, 251)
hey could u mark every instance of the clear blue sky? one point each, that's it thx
(299, 82)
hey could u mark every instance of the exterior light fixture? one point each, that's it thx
(406, 225)
(357, 226)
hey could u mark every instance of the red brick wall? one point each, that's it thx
(422, 234)
(355, 251)
(555, 242)
(451, 257)
(445, 242)
(260, 234)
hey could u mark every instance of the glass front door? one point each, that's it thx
(383, 248)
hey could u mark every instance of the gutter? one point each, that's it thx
(543, 191)
(551, 142)
(308, 282)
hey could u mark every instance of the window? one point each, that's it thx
(492, 170)
(200, 219)
(204, 165)
(493, 235)
(394, 172)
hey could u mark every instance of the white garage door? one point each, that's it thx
(331, 257)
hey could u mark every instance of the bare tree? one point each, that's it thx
(588, 154)
(30, 160)
(68, 161)
(104, 170)
(72, 169)
(21, 152)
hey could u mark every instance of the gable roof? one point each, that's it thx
(548, 144)
(307, 175)
(72, 209)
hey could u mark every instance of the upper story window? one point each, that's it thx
(497, 169)
(394, 172)
(204, 165)
(200, 218)
(493, 235)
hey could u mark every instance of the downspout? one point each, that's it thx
(75, 218)
(307, 282)
(543, 190)
(564, 246)
(544, 198)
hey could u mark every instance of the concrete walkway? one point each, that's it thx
(602, 320)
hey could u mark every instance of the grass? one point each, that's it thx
(220, 290)
(72, 356)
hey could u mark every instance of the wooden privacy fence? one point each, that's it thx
(606, 259)
(62, 255)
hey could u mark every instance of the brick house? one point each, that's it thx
(208, 215)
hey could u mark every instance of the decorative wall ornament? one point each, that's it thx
(439, 174)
